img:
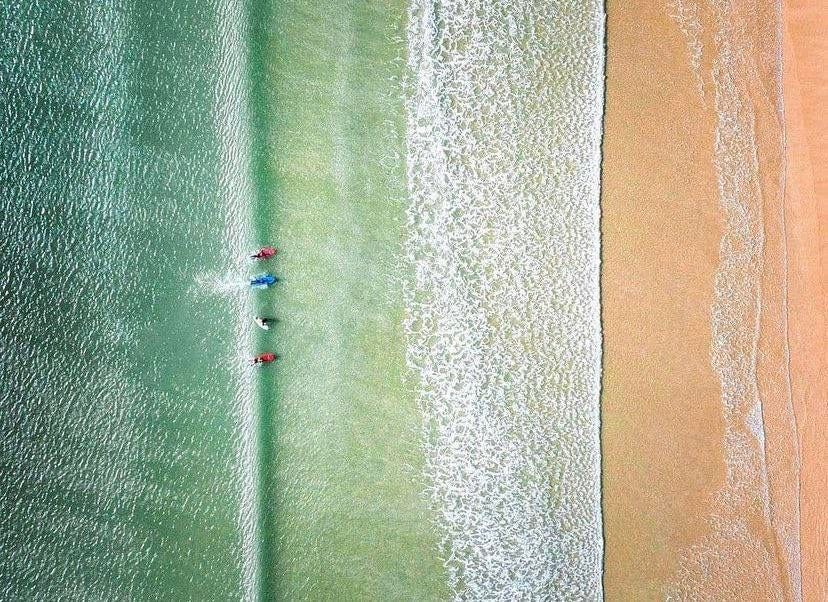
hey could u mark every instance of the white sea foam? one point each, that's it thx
(231, 117)
(503, 153)
(687, 15)
(745, 514)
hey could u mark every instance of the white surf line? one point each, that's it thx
(231, 117)
(686, 14)
(731, 557)
(504, 114)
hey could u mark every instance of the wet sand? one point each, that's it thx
(806, 96)
(687, 514)
(662, 422)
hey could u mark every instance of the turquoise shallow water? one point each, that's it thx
(148, 149)
(344, 512)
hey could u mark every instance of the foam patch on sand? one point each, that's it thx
(753, 537)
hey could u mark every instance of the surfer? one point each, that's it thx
(263, 281)
(263, 323)
(264, 253)
(263, 358)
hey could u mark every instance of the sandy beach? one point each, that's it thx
(806, 93)
(699, 442)
(662, 429)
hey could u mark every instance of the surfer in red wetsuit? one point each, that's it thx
(264, 358)
(264, 253)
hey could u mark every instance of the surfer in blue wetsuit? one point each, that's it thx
(263, 281)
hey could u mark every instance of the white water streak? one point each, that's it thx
(231, 117)
(503, 143)
(687, 16)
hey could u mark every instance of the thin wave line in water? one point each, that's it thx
(785, 291)
(231, 121)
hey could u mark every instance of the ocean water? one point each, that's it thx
(121, 440)
(345, 515)
(429, 172)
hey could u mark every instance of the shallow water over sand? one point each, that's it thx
(504, 124)
(754, 531)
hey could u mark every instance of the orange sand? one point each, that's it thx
(663, 425)
(806, 117)
(662, 420)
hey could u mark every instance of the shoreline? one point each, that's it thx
(699, 440)
(806, 193)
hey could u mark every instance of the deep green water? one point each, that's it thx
(118, 437)
(129, 469)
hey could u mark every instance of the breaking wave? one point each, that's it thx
(503, 156)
